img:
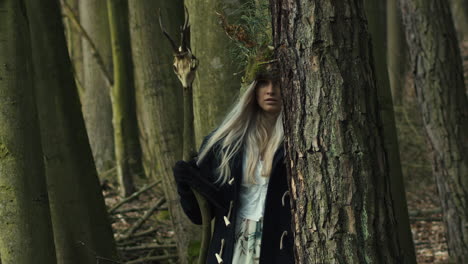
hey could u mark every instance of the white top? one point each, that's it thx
(252, 196)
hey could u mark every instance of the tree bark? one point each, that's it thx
(440, 89)
(216, 87)
(97, 109)
(342, 199)
(122, 95)
(376, 13)
(26, 231)
(74, 190)
(159, 101)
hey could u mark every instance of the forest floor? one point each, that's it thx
(427, 226)
(152, 240)
(141, 225)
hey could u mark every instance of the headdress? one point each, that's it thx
(252, 37)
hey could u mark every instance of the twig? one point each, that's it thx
(68, 12)
(107, 172)
(424, 212)
(135, 235)
(147, 246)
(426, 219)
(130, 210)
(167, 253)
(146, 232)
(96, 255)
(133, 196)
(145, 259)
(130, 241)
(145, 216)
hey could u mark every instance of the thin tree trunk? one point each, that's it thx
(460, 18)
(342, 199)
(96, 102)
(26, 231)
(159, 107)
(376, 13)
(215, 87)
(396, 51)
(440, 89)
(123, 115)
(82, 229)
(75, 50)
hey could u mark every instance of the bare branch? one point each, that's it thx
(133, 196)
(68, 12)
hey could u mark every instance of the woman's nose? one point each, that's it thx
(270, 90)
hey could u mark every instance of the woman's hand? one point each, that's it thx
(185, 171)
(188, 175)
(184, 174)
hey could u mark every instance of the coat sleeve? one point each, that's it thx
(200, 182)
(189, 203)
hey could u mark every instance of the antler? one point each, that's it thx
(185, 33)
(174, 46)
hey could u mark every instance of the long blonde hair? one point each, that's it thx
(245, 125)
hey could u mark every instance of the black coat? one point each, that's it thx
(277, 238)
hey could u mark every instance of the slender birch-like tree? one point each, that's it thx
(122, 95)
(97, 108)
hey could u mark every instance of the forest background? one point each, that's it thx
(92, 119)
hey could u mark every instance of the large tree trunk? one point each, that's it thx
(342, 199)
(96, 102)
(26, 230)
(81, 226)
(216, 87)
(376, 12)
(159, 106)
(438, 80)
(122, 95)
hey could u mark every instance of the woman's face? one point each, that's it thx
(269, 96)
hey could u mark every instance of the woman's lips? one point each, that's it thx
(270, 100)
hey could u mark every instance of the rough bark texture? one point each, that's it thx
(438, 80)
(376, 12)
(82, 229)
(159, 106)
(122, 95)
(216, 87)
(25, 224)
(96, 102)
(343, 209)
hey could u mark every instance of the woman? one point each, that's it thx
(241, 172)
